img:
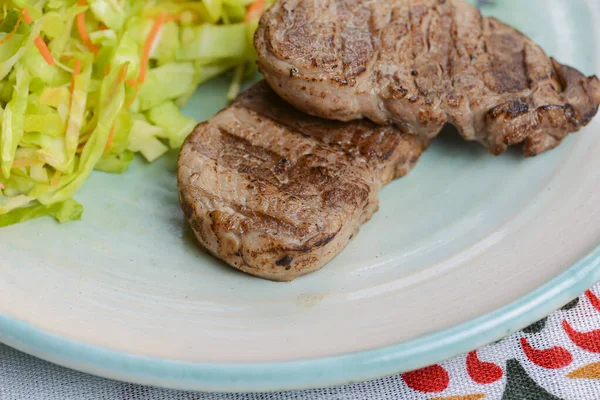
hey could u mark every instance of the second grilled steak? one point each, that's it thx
(278, 194)
(420, 64)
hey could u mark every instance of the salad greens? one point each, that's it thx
(86, 84)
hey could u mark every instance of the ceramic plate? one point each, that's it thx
(465, 250)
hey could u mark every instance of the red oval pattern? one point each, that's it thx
(432, 379)
(552, 358)
(589, 341)
(482, 372)
(593, 299)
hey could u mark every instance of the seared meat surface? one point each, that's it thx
(420, 64)
(278, 194)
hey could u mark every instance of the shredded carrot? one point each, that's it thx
(136, 86)
(76, 71)
(145, 59)
(122, 74)
(255, 10)
(134, 97)
(11, 34)
(102, 27)
(27, 17)
(39, 42)
(82, 30)
(107, 69)
(55, 179)
(152, 36)
(44, 51)
(120, 79)
(110, 138)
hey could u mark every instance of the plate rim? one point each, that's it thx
(317, 372)
(309, 373)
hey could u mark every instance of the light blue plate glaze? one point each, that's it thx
(465, 250)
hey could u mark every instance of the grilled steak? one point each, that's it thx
(276, 193)
(420, 64)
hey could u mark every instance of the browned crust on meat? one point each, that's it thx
(420, 64)
(276, 193)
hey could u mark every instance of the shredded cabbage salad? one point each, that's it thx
(86, 84)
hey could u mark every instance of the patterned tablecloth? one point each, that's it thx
(555, 358)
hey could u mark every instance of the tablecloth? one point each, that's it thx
(555, 358)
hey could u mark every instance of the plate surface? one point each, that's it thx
(465, 250)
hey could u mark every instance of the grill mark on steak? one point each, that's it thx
(507, 60)
(354, 43)
(528, 79)
(261, 165)
(277, 193)
(246, 218)
(420, 64)
(413, 46)
(360, 138)
(454, 47)
(285, 261)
